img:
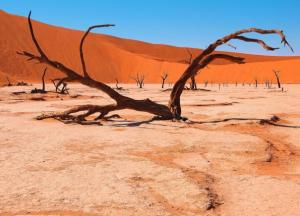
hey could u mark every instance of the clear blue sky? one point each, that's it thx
(193, 23)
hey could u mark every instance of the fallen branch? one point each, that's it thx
(173, 110)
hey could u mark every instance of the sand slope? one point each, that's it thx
(110, 57)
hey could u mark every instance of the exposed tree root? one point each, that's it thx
(67, 117)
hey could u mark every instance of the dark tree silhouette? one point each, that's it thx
(139, 79)
(8, 82)
(163, 79)
(205, 83)
(117, 85)
(173, 110)
(43, 90)
(256, 82)
(60, 85)
(276, 73)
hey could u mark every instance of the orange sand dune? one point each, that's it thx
(111, 57)
(2, 77)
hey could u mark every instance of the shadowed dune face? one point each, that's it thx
(110, 57)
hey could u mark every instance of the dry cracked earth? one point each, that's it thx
(223, 161)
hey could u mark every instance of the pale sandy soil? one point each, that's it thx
(229, 168)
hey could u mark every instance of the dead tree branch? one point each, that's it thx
(173, 110)
(81, 46)
(60, 85)
(206, 57)
(122, 102)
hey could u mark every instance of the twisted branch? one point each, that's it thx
(86, 75)
(201, 61)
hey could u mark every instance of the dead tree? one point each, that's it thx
(170, 111)
(276, 73)
(205, 83)
(267, 83)
(139, 79)
(22, 83)
(8, 82)
(256, 82)
(60, 86)
(42, 91)
(193, 83)
(117, 85)
(163, 79)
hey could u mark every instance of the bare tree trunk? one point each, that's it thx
(276, 73)
(42, 91)
(205, 83)
(173, 110)
(193, 84)
(139, 79)
(117, 85)
(8, 82)
(163, 79)
(43, 79)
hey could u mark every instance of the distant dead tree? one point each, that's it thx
(205, 83)
(139, 79)
(276, 73)
(60, 85)
(267, 83)
(22, 83)
(117, 85)
(17, 84)
(256, 82)
(163, 77)
(42, 91)
(193, 83)
(170, 111)
(8, 82)
(236, 84)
